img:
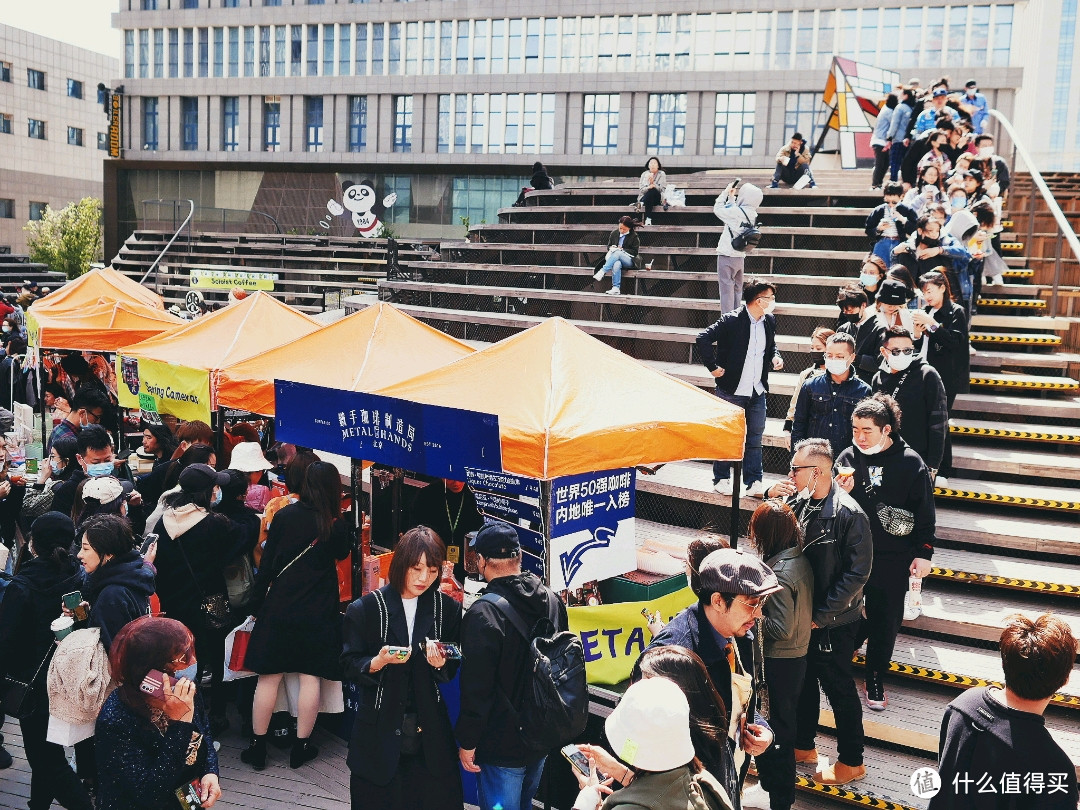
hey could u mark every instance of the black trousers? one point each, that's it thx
(650, 199)
(881, 165)
(413, 787)
(832, 669)
(50, 775)
(884, 608)
(946, 458)
(776, 767)
(210, 653)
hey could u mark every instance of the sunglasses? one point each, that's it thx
(754, 606)
(794, 468)
(898, 352)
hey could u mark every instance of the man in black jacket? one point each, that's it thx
(918, 390)
(494, 677)
(839, 547)
(739, 350)
(956, 144)
(97, 459)
(857, 320)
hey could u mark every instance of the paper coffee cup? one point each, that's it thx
(62, 627)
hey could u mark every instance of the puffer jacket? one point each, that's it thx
(735, 215)
(787, 615)
(840, 549)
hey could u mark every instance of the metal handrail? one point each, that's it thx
(1037, 181)
(172, 239)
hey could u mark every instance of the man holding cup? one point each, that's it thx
(839, 548)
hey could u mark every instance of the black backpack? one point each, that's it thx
(554, 705)
(747, 237)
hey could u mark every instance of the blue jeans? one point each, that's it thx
(616, 261)
(896, 157)
(508, 788)
(883, 249)
(754, 406)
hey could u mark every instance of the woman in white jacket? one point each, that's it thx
(737, 208)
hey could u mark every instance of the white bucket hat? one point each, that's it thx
(650, 728)
(248, 457)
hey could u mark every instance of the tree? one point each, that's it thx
(67, 240)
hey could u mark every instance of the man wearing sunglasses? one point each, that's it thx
(918, 390)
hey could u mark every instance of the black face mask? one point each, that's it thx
(928, 242)
(847, 318)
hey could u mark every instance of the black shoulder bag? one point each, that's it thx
(214, 609)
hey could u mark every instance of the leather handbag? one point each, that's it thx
(18, 697)
(214, 608)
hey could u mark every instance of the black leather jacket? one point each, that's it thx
(839, 546)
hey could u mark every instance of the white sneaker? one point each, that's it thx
(723, 486)
(755, 490)
(941, 481)
(972, 351)
(911, 612)
(998, 279)
(614, 291)
(599, 274)
(648, 220)
(755, 796)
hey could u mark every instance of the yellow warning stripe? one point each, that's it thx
(1012, 245)
(1006, 223)
(1024, 340)
(1007, 433)
(1008, 500)
(1017, 303)
(1020, 382)
(1018, 273)
(1007, 582)
(964, 681)
(851, 797)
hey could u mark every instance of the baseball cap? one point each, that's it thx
(497, 541)
(198, 477)
(893, 293)
(732, 571)
(106, 489)
(971, 83)
(941, 91)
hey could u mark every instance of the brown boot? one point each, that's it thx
(839, 774)
(806, 755)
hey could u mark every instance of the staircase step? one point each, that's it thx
(966, 614)
(1056, 499)
(1012, 247)
(1016, 339)
(1018, 272)
(1013, 303)
(1025, 381)
(1035, 433)
(1032, 576)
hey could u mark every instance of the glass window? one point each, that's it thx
(911, 39)
(296, 52)
(279, 50)
(512, 133)
(313, 120)
(868, 35)
(646, 27)
(204, 52)
(664, 40)
(103, 141)
(159, 53)
(7, 209)
(980, 35)
(234, 51)
(1003, 17)
(344, 49)
(378, 49)
(271, 2)
(587, 45)
(849, 32)
(35, 79)
(600, 130)
(403, 111)
(513, 44)
(75, 136)
(682, 42)
(957, 33)
(547, 123)
(249, 50)
(189, 123)
(802, 113)
(734, 127)
(74, 88)
(498, 46)
(393, 47)
(532, 46)
(271, 124)
(312, 50)
(148, 5)
(264, 50)
(479, 198)
(37, 210)
(35, 128)
(328, 50)
(191, 3)
(401, 185)
(189, 52)
(361, 49)
(357, 123)
(784, 21)
(412, 48)
(826, 33)
(446, 47)
(129, 55)
(890, 35)
(667, 123)
(569, 45)
(935, 35)
(144, 53)
(230, 3)
(743, 41)
(479, 47)
(219, 52)
(461, 122)
(704, 41)
(804, 37)
(174, 53)
(230, 123)
(444, 122)
(496, 123)
(6, 124)
(477, 137)
(605, 45)
(316, 2)
(551, 45)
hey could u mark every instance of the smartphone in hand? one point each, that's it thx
(579, 761)
(153, 684)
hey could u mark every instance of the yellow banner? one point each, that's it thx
(227, 279)
(151, 385)
(615, 635)
(32, 329)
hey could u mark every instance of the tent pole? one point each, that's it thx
(736, 488)
(545, 513)
(356, 486)
(219, 435)
(39, 356)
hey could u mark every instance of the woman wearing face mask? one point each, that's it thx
(892, 485)
(149, 745)
(926, 191)
(26, 643)
(936, 156)
(402, 736)
(297, 620)
(817, 351)
(194, 546)
(871, 275)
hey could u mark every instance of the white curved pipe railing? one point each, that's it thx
(165, 249)
(1037, 181)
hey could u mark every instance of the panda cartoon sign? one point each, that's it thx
(360, 205)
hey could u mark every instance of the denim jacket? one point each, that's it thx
(824, 409)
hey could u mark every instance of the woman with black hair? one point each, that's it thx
(298, 622)
(651, 187)
(540, 181)
(31, 603)
(167, 476)
(622, 253)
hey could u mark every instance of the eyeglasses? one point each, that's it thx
(755, 607)
(794, 468)
(898, 352)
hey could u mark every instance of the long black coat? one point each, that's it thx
(948, 349)
(375, 747)
(298, 622)
(31, 601)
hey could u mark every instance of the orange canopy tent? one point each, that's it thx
(370, 349)
(90, 288)
(568, 403)
(102, 327)
(171, 372)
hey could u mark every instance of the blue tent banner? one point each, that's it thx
(431, 439)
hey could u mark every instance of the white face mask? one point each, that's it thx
(877, 448)
(869, 280)
(900, 362)
(769, 307)
(805, 493)
(836, 366)
(986, 151)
